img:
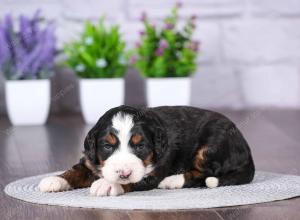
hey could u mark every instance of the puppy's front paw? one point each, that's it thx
(53, 184)
(102, 187)
(172, 182)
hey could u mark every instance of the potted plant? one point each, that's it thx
(98, 58)
(167, 57)
(26, 60)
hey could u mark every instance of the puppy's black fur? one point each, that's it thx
(180, 140)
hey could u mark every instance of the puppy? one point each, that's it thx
(131, 149)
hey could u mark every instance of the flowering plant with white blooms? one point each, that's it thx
(166, 50)
(99, 53)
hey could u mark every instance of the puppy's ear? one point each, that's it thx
(90, 148)
(160, 141)
(90, 142)
(157, 130)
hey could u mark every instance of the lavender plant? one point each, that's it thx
(29, 52)
(166, 51)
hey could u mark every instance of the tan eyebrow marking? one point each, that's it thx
(111, 139)
(136, 138)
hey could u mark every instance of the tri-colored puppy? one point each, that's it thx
(132, 149)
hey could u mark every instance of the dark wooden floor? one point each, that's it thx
(24, 151)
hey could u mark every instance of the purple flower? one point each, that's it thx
(194, 17)
(35, 23)
(132, 60)
(25, 32)
(47, 50)
(169, 26)
(159, 51)
(37, 17)
(8, 33)
(194, 45)
(29, 52)
(143, 17)
(4, 50)
(142, 33)
(137, 44)
(163, 44)
(179, 4)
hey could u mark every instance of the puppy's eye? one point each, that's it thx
(140, 147)
(108, 147)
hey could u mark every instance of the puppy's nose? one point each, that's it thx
(124, 174)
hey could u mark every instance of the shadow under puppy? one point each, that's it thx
(132, 149)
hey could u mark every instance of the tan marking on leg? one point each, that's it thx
(79, 176)
(198, 162)
(200, 157)
(192, 175)
(127, 187)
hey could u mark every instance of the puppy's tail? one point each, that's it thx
(212, 182)
(236, 178)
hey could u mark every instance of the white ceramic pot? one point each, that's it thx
(168, 91)
(99, 95)
(27, 101)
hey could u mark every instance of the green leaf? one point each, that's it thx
(97, 42)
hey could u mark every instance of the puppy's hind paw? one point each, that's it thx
(53, 184)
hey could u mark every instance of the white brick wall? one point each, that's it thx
(51, 8)
(262, 40)
(217, 86)
(92, 9)
(276, 7)
(210, 37)
(278, 86)
(202, 8)
(249, 55)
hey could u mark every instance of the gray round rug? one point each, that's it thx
(266, 187)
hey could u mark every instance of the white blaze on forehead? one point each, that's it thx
(123, 123)
(123, 158)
